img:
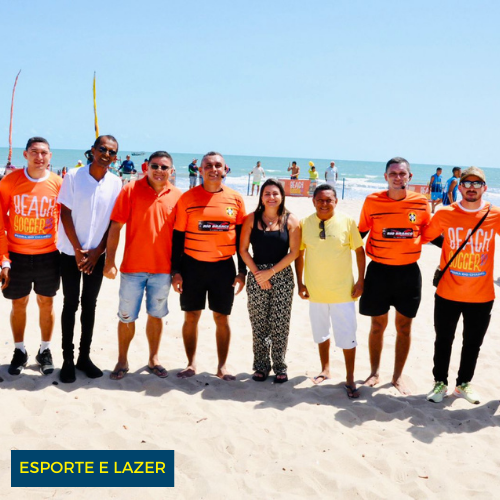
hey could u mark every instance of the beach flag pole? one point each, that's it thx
(9, 158)
(96, 124)
(248, 185)
(343, 187)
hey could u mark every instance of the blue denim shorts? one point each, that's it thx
(132, 286)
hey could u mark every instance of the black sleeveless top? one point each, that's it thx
(269, 247)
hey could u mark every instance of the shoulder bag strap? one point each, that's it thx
(467, 239)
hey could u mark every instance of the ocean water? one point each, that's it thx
(359, 178)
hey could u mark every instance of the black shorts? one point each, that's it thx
(42, 271)
(386, 286)
(213, 278)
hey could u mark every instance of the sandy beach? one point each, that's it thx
(244, 439)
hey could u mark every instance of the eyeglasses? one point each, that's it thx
(322, 233)
(155, 166)
(474, 184)
(111, 152)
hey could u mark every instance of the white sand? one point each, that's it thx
(260, 440)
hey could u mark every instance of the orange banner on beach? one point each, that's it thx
(298, 187)
(420, 188)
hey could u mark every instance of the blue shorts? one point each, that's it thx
(132, 286)
(437, 196)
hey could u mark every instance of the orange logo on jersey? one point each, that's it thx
(412, 217)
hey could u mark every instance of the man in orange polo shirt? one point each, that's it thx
(394, 219)
(147, 207)
(466, 288)
(29, 203)
(206, 236)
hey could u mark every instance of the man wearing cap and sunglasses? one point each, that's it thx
(147, 207)
(466, 286)
(87, 197)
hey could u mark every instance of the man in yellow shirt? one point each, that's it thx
(328, 237)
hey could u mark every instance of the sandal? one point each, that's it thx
(281, 378)
(260, 375)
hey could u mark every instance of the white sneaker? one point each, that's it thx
(439, 392)
(466, 391)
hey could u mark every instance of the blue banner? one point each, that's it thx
(77, 468)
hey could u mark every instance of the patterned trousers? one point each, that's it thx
(270, 312)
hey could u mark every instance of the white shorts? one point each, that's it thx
(339, 317)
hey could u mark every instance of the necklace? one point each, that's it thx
(270, 222)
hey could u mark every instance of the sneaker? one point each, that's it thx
(466, 391)
(44, 359)
(438, 393)
(19, 361)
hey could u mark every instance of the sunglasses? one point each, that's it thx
(155, 166)
(322, 233)
(474, 184)
(111, 152)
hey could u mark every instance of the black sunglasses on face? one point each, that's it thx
(155, 166)
(111, 152)
(322, 233)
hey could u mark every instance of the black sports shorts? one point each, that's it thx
(213, 278)
(386, 286)
(40, 271)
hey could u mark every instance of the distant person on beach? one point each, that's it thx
(28, 198)
(64, 172)
(79, 164)
(144, 166)
(328, 238)
(451, 187)
(331, 174)
(274, 234)
(127, 167)
(227, 170)
(147, 207)
(206, 236)
(87, 197)
(193, 173)
(435, 188)
(313, 173)
(295, 170)
(394, 219)
(257, 173)
(88, 155)
(466, 288)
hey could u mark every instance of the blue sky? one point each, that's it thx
(354, 80)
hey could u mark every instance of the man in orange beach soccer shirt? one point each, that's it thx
(394, 219)
(206, 236)
(29, 203)
(466, 288)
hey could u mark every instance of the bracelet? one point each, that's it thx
(274, 272)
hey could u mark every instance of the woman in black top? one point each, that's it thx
(274, 234)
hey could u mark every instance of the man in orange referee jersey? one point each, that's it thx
(206, 236)
(394, 219)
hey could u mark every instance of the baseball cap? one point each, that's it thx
(473, 171)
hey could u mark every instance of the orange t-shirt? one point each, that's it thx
(149, 219)
(209, 221)
(4, 253)
(31, 212)
(470, 276)
(395, 227)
